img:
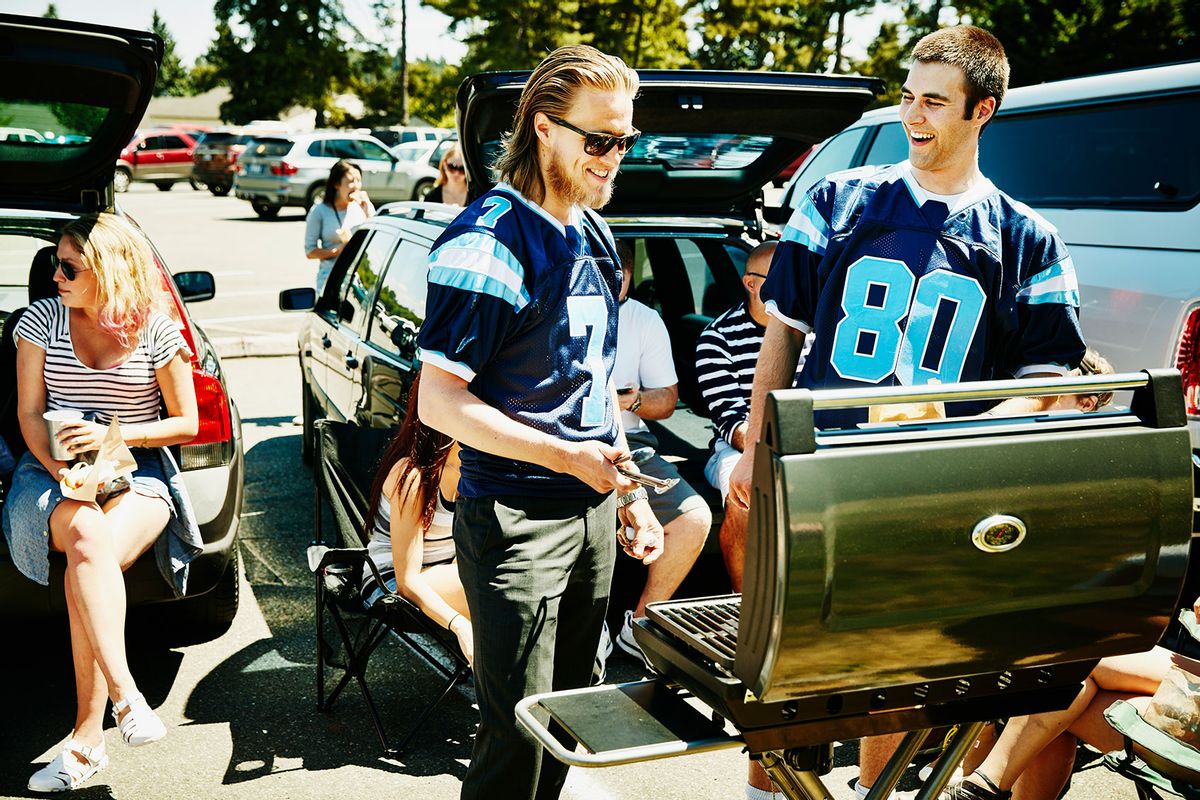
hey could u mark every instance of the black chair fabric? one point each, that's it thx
(347, 632)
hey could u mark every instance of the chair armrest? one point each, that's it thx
(322, 556)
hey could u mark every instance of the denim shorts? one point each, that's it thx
(34, 496)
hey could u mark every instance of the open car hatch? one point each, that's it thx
(81, 92)
(710, 140)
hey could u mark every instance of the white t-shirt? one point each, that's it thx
(643, 354)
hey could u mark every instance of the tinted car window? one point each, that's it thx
(401, 300)
(1104, 156)
(436, 156)
(361, 280)
(272, 147)
(696, 266)
(341, 148)
(373, 152)
(172, 143)
(891, 145)
(151, 143)
(837, 154)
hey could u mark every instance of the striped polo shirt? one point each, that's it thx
(129, 389)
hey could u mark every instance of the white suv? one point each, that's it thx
(291, 170)
(1110, 161)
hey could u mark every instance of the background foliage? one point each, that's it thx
(273, 54)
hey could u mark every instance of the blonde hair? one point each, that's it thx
(128, 285)
(551, 90)
(443, 178)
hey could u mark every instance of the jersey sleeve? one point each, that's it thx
(656, 366)
(476, 290)
(165, 341)
(34, 325)
(1049, 339)
(790, 290)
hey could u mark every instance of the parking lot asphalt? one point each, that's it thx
(241, 709)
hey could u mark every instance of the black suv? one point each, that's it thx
(90, 85)
(693, 220)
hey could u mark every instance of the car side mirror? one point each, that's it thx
(302, 299)
(404, 337)
(196, 286)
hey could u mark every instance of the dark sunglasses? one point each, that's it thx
(68, 271)
(597, 144)
(456, 168)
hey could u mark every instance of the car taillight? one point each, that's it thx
(234, 151)
(213, 445)
(1187, 361)
(284, 168)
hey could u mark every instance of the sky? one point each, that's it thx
(191, 23)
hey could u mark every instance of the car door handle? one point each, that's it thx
(325, 341)
(351, 361)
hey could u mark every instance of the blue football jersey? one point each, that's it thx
(525, 310)
(900, 289)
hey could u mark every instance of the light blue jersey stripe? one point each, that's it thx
(808, 228)
(484, 243)
(1063, 298)
(1055, 284)
(471, 281)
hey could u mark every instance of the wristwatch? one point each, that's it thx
(637, 402)
(632, 497)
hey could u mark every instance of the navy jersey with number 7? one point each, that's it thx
(901, 289)
(525, 310)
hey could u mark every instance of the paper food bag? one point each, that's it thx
(102, 473)
(903, 412)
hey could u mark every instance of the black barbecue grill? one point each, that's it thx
(901, 577)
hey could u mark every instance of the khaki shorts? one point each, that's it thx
(680, 498)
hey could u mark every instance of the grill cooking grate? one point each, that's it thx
(709, 626)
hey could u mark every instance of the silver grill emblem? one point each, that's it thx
(998, 533)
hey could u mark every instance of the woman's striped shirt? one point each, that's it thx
(129, 390)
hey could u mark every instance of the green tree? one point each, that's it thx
(433, 88)
(51, 12)
(172, 75)
(291, 53)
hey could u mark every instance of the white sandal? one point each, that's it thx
(70, 768)
(139, 724)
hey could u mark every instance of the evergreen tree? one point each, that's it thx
(173, 78)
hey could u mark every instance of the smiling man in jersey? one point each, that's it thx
(518, 346)
(919, 271)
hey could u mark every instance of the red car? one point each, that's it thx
(162, 156)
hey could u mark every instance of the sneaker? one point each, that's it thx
(603, 651)
(967, 790)
(626, 642)
(70, 769)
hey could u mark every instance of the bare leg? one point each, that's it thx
(1025, 737)
(733, 544)
(1047, 774)
(91, 691)
(873, 755)
(1136, 673)
(443, 579)
(980, 749)
(685, 537)
(759, 779)
(98, 545)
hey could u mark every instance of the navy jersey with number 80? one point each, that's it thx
(900, 288)
(525, 310)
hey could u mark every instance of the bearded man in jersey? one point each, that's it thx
(919, 271)
(518, 345)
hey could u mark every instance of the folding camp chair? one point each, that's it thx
(347, 457)
(1153, 760)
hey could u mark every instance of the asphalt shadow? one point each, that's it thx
(44, 716)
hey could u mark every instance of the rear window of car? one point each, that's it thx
(220, 139)
(271, 147)
(1101, 156)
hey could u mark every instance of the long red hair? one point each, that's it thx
(426, 451)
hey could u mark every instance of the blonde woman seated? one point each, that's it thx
(412, 505)
(103, 347)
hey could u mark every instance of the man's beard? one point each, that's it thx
(574, 192)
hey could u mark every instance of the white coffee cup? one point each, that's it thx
(54, 424)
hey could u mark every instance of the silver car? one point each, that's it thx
(278, 170)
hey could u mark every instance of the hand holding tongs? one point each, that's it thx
(659, 485)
